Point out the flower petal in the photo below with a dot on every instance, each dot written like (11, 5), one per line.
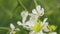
(34, 11)
(24, 15)
(11, 32)
(12, 26)
(42, 12)
(45, 19)
(53, 33)
(19, 23)
(38, 7)
(33, 20)
(41, 32)
(32, 32)
(46, 29)
(17, 29)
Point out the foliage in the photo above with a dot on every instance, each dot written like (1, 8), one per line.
(10, 12)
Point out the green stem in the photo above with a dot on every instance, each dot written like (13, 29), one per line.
(35, 2)
(8, 32)
(22, 4)
(5, 28)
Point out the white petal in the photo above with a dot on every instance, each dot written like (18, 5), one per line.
(19, 23)
(23, 19)
(33, 20)
(41, 32)
(30, 24)
(11, 32)
(41, 24)
(12, 26)
(17, 29)
(38, 7)
(42, 12)
(45, 19)
(24, 15)
(27, 23)
(46, 24)
(32, 32)
(30, 14)
(34, 11)
(46, 29)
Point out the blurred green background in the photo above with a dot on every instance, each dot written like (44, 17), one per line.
(10, 12)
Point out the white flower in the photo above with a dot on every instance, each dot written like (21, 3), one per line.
(13, 29)
(24, 15)
(33, 17)
(43, 26)
(32, 21)
(53, 33)
(38, 11)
